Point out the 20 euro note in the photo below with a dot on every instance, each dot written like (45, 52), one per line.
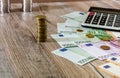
(99, 33)
(75, 54)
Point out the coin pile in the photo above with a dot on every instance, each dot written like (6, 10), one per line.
(41, 28)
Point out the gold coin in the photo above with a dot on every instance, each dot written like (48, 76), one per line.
(79, 30)
(104, 47)
(90, 35)
(105, 39)
(40, 17)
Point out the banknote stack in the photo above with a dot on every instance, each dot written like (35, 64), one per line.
(41, 28)
(82, 45)
(112, 67)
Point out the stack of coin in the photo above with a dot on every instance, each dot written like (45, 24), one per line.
(41, 28)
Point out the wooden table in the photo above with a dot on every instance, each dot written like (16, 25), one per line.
(22, 57)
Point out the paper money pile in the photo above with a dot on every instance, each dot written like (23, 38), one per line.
(112, 67)
(82, 45)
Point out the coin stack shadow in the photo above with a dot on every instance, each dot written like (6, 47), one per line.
(41, 28)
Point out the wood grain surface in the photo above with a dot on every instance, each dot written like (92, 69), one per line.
(36, 1)
(22, 57)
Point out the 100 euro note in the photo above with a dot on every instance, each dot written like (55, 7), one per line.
(96, 50)
(74, 54)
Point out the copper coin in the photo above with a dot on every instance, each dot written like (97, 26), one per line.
(79, 30)
(90, 35)
(104, 47)
(106, 39)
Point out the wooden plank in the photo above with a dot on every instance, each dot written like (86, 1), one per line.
(37, 1)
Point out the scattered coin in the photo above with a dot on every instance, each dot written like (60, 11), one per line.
(106, 39)
(79, 30)
(90, 35)
(104, 47)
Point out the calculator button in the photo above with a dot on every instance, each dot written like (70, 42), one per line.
(111, 19)
(117, 24)
(117, 18)
(109, 23)
(91, 13)
(105, 15)
(112, 15)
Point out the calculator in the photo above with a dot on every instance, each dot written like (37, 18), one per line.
(105, 18)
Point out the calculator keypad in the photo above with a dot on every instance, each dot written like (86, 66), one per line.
(103, 19)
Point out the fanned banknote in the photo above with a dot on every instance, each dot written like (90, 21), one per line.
(77, 15)
(62, 28)
(75, 54)
(111, 69)
(101, 50)
(71, 40)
